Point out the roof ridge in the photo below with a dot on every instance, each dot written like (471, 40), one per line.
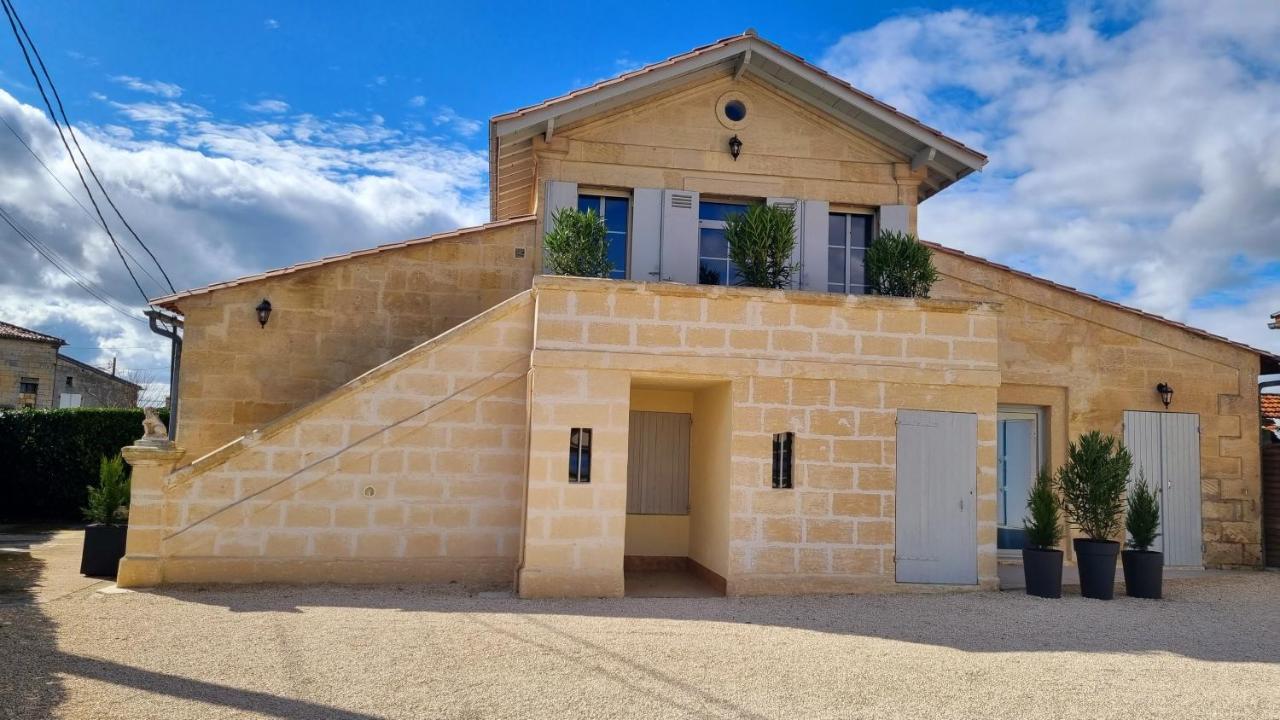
(17, 332)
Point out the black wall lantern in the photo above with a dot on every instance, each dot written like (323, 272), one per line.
(735, 147)
(1166, 394)
(264, 312)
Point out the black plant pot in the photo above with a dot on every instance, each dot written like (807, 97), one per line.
(103, 548)
(1143, 573)
(1043, 572)
(1096, 561)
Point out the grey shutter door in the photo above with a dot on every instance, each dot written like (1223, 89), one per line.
(646, 235)
(893, 217)
(558, 195)
(793, 205)
(1166, 449)
(680, 236)
(813, 245)
(658, 463)
(937, 475)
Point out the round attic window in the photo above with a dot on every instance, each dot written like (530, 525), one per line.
(731, 109)
(735, 110)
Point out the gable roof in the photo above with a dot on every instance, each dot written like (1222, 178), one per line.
(10, 331)
(1270, 361)
(946, 158)
(170, 301)
(98, 371)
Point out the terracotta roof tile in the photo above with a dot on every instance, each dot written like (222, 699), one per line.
(1270, 404)
(15, 332)
(1275, 359)
(168, 301)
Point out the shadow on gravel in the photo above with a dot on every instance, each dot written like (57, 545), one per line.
(1226, 618)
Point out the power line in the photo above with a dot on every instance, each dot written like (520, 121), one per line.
(72, 132)
(10, 14)
(66, 268)
(72, 195)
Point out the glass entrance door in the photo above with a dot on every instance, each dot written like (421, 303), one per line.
(1018, 458)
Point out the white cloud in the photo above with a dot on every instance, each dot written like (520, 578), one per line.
(417, 101)
(152, 87)
(271, 24)
(447, 117)
(269, 106)
(1139, 163)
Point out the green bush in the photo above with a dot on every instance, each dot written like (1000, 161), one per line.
(111, 495)
(1093, 483)
(1044, 524)
(761, 242)
(50, 457)
(577, 244)
(898, 264)
(1143, 517)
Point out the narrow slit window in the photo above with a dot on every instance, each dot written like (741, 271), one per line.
(580, 455)
(782, 445)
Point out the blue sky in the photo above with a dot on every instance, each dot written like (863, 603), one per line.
(1133, 143)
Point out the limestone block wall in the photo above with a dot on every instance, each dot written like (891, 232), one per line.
(331, 322)
(22, 358)
(833, 369)
(1087, 362)
(413, 471)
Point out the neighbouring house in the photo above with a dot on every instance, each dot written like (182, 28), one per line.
(1269, 409)
(33, 374)
(436, 409)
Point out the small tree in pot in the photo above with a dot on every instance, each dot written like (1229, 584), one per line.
(107, 513)
(1092, 483)
(1143, 567)
(898, 264)
(761, 242)
(1042, 559)
(577, 244)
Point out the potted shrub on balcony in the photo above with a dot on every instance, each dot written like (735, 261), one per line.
(1143, 567)
(1042, 559)
(898, 264)
(761, 243)
(1092, 483)
(104, 538)
(577, 244)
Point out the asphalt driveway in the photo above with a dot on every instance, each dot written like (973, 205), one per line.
(71, 650)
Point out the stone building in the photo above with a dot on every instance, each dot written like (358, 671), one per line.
(437, 409)
(33, 374)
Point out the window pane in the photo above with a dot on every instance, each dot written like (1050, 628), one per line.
(618, 254)
(835, 265)
(857, 274)
(589, 202)
(735, 277)
(835, 230)
(713, 272)
(615, 214)
(712, 243)
(860, 230)
(719, 211)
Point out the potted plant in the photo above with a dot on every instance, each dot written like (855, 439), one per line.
(1143, 567)
(1092, 483)
(761, 243)
(577, 244)
(898, 264)
(104, 538)
(1042, 559)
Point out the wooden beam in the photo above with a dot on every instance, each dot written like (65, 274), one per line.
(926, 155)
(742, 64)
(551, 128)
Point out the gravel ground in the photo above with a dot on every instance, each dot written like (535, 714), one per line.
(1211, 650)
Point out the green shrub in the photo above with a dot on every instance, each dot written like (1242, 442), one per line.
(898, 264)
(111, 495)
(761, 242)
(1044, 523)
(50, 457)
(577, 244)
(1143, 517)
(1093, 482)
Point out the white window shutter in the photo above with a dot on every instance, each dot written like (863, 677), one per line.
(679, 256)
(793, 205)
(894, 217)
(813, 245)
(646, 235)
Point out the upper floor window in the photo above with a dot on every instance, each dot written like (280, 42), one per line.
(714, 267)
(848, 236)
(28, 386)
(615, 211)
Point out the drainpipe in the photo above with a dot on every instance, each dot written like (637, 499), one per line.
(168, 326)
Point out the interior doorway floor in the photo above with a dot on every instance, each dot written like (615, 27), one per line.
(667, 584)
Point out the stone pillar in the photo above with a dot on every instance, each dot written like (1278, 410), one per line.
(141, 564)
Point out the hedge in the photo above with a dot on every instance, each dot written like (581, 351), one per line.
(49, 457)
